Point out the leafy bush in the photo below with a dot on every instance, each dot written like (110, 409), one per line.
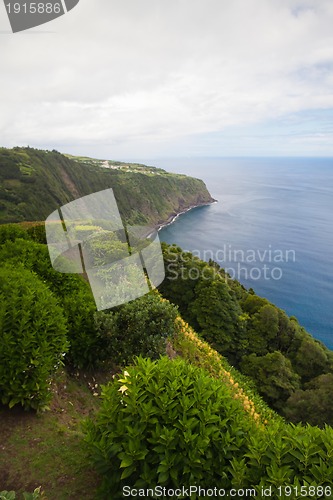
(140, 327)
(74, 296)
(35, 256)
(32, 338)
(165, 423)
(37, 233)
(87, 346)
(168, 423)
(289, 457)
(10, 232)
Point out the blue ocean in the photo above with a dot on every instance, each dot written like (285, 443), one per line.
(272, 229)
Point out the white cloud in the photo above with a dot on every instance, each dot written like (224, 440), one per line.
(137, 76)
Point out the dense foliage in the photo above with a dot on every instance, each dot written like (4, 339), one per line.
(32, 338)
(74, 296)
(140, 327)
(34, 183)
(204, 299)
(165, 423)
(96, 338)
(285, 362)
(11, 232)
(195, 420)
(289, 368)
(168, 423)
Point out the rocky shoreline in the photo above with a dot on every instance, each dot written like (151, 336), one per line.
(173, 217)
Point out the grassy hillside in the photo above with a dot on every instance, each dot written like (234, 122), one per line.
(182, 419)
(291, 370)
(34, 183)
(194, 373)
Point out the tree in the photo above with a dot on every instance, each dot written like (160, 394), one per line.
(217, 314)
(252, 303)
(263, 329)
(182, 273)
(273, 375)
(314, 405)
(311, 359)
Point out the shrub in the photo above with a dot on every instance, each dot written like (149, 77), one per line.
(290, 457)
(37, 233)
(32, 338)
(311, 358)
(35, 256)
(87, 346)
(165, 423)
(139, 327)
(10, 232)
(74, 295)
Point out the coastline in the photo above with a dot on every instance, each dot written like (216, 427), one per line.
(173, 217)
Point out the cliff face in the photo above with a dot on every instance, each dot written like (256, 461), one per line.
(34, 183)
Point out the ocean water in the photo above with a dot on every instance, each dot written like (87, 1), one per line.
(272, 228)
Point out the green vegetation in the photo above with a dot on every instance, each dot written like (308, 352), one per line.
(166, 423)
(46, 449)
(205, 415)
(73, 293)
(139, 327)
(34, 183)
(117, 165)
(32, 338)
(11, 495)
(288, 366)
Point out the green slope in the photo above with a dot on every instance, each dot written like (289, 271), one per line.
(34, 183)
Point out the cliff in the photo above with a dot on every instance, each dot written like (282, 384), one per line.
(33, 183)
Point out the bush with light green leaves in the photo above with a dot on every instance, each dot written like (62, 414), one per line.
(168, 423)
(74, 296)
(165, 423)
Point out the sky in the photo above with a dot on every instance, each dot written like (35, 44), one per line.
(127, 79)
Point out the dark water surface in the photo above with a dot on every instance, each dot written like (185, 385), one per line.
(272, 228)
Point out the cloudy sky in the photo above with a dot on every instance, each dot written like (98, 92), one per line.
(128, 79)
